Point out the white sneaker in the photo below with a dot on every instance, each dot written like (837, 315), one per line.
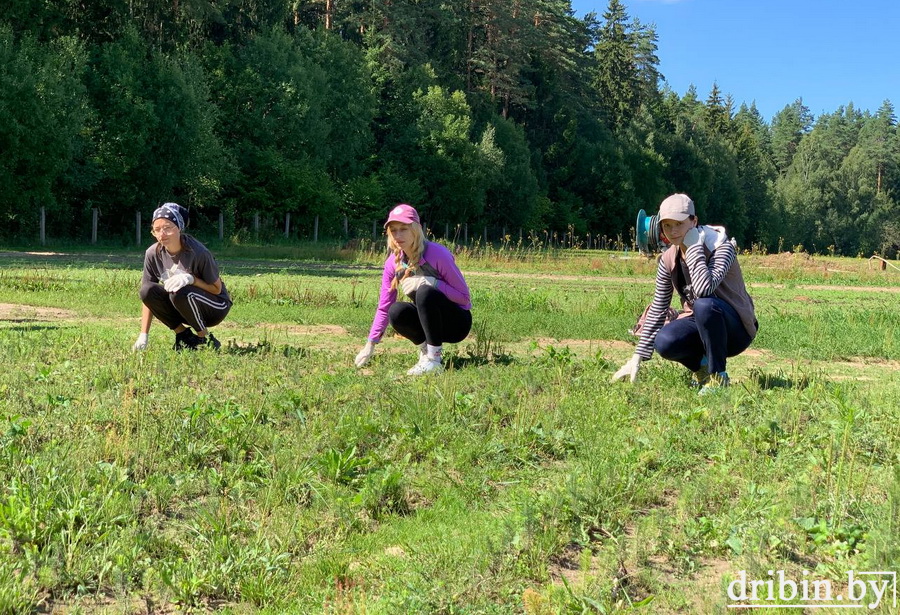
(426, 366)
(423, 358)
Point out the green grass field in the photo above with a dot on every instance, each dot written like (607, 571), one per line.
(274, 477)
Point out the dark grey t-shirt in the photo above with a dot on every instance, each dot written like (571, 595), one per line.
(193, 258)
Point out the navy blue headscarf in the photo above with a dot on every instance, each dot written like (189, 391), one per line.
(173, 212)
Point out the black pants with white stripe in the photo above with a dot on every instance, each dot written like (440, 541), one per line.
(189, 306)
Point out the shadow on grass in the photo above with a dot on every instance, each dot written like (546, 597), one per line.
(778, 380)
(264, 348)
(460, 362)
(229, 266)
(21, 327)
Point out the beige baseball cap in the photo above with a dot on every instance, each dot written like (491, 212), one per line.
(678, 207)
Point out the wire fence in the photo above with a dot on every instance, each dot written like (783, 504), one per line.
(269, 227)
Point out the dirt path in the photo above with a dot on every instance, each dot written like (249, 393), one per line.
(300, 267)
(12, 312)
(335, 338)
(650, 280)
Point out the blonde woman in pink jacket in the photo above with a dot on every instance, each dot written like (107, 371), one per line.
(439, 307)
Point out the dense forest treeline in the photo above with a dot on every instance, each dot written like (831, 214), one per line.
(506, 113)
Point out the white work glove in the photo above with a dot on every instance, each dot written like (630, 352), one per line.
(411, 284)
(141, 343)
(178, 281)
(629, 370)
(365, 354)
(691, 238)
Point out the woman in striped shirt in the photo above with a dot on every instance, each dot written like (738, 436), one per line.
(718, 319)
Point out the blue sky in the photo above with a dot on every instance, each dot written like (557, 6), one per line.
(830, 53)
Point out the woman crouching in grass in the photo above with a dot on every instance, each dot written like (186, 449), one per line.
(426, 272)
(181, 284)
(718, 320)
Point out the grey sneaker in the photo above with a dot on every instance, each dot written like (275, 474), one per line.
(717, 382)
(700, 377)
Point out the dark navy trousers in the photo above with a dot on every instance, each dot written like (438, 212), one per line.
(714, 331)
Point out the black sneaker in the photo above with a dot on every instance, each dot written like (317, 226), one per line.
(187, 340)
(210, 341)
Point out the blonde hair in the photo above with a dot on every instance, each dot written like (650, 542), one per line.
(417, 247)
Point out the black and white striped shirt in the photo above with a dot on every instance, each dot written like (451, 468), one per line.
(703, 278)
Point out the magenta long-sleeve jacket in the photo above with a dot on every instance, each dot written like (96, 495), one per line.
(436, 259)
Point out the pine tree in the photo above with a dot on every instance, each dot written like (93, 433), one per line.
(788, 127)
(616, 79)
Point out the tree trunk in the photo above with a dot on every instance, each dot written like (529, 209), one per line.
(470, 44)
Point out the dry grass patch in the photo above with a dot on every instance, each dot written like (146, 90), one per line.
(14, 312)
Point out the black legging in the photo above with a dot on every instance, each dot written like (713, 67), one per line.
(189, 305)
(430, 317)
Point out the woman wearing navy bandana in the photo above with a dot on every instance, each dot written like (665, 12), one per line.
(181, 284)
(426, 272)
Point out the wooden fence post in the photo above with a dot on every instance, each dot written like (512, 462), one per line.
(316, 230)
(446, 230)
(374, 232)
(287, 225)
(94, 215)
(346, 233)
(221, 226)
(466, 233)
(43, 226)
(137, 227)
(256, 223)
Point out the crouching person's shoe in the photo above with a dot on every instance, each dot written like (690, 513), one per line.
(210, 341)
(186, 340)
(717, 382)
(426, 366)
(700, 377)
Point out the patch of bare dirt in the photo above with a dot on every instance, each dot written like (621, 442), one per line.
(756, 352)
(556, 276)
(857, 362)
(567, 565)
(14, 312)
(703, 588)
(576, 346)
(109, 604)
(308, 329)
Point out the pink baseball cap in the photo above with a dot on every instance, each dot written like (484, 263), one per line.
(403, 213)
(677, 207)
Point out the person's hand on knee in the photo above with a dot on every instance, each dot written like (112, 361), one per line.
(178, 281)
(411, 284)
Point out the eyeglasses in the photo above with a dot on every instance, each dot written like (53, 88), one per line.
(163, 230)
